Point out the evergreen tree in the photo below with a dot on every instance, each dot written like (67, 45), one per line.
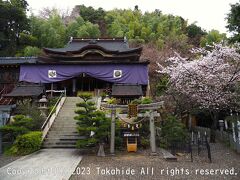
(92, 123)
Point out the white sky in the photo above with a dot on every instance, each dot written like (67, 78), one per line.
(209, 14)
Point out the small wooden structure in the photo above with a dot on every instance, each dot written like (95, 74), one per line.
(132, 144)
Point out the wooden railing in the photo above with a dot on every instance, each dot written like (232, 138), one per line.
(2, 91)
(52, 115)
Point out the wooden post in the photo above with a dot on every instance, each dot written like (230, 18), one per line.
(152, 135)
(189, 121)
(1, 124)
(74, 86)
(51, 89)
(112, 145)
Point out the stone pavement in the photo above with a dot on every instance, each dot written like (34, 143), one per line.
(52, 164)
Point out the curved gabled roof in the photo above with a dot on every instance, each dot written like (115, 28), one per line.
(114, 45)
(114, 48)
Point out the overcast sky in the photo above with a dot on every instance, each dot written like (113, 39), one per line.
(209, 14)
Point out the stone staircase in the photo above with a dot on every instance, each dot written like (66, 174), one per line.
(63, 133)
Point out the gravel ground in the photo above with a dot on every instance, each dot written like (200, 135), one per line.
(94, 168)
(4, 160)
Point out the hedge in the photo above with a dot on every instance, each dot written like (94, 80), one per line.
(27, 143)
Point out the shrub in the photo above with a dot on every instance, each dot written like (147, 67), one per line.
(14, 131)
(145, 143)
(146, 100)
(32, 112)
(173, 131)
(135, 101)
(22, 121)
(27, 143)
(19, 126)
(112, 101)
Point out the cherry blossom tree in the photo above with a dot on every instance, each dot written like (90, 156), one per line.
(209, 80)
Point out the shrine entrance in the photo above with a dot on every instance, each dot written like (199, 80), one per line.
(133, 112)
(83, 82)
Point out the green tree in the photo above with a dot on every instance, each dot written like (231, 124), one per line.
(49, 32)
(92, 123)
(213, 36)
(90, 14)
(13, 21)
(80, 28)
(173, 131)
(233, 22)
(88, 30)
(195, 33)
(20, 125)
(30, 51)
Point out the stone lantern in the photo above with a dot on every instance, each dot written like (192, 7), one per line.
(43, 106)
(221, 125)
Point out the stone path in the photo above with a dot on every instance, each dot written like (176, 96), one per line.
(141, 166)
(54, 164)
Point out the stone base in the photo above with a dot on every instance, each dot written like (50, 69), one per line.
(153, 154)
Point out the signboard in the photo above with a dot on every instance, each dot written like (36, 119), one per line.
(129, 134)
(117, 73)
(52, 74)
(132, 110)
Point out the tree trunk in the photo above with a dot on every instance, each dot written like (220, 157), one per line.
(101, 150)
(214, 116)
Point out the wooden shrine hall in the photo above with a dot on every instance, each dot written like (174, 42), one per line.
(94, 65)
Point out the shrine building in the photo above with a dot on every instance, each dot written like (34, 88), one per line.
(94, 65)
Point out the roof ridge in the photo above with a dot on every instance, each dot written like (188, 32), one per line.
(20, 58)
(99, 39)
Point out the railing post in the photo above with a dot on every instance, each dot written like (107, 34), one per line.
(112, 145)
(1, 124)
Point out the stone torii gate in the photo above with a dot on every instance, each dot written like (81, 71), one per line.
(152, 114)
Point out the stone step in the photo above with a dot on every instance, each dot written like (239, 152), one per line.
(57, 132)
(57, 138)
(65, 124)
(68, 126)
(64, 128)
(56, 141)
(65, 118)
(63, 133)
(59, 146)
(73, 136)
(60, 143)
(167, 155)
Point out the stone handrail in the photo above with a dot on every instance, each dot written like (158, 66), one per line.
(52, 115)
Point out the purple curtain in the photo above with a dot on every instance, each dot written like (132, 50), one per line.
(116, 73)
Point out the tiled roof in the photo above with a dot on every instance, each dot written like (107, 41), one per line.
(126, 90)
(110, 44)
(26, 91)
(17, 60)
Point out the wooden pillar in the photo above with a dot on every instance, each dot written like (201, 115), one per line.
(153, 134)
(74, 86)
(1, 124)
(189, 121)
(112, 143)
(89, 81)
(51, 89)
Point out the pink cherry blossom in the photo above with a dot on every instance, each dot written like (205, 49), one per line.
(209, 79)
